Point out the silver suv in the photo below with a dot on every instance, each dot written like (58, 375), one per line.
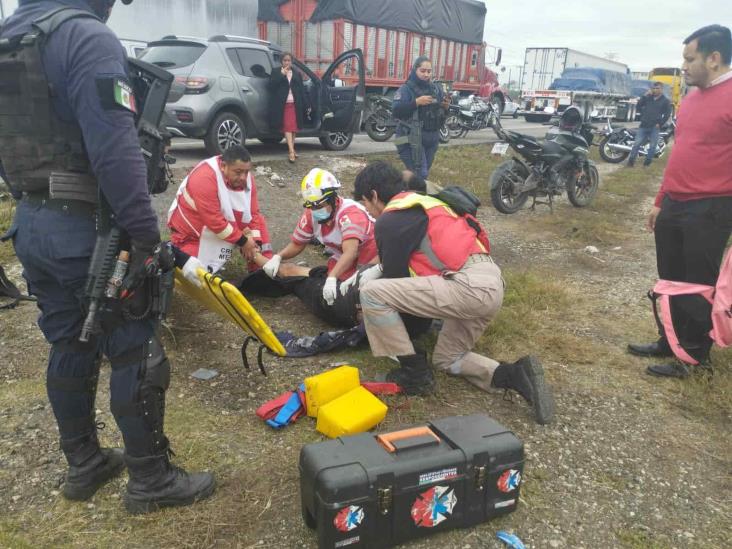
(225, 100)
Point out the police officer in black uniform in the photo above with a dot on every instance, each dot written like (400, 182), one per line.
(67, 115)
(419, 106)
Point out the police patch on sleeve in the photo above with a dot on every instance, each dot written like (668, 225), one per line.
(116, 93)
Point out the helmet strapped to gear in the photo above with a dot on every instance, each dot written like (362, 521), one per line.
(318, 188)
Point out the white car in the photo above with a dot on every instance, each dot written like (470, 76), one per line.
(511, 108)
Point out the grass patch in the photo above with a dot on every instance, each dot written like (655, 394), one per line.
(608, 219)
(710, 397)
(7, 211)
(639, 539)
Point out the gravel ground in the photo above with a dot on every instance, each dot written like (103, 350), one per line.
(629, 462)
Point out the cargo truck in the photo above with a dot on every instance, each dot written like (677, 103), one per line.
(594, 84)
(392, 34)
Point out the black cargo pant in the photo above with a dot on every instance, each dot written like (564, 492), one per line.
(691, 238)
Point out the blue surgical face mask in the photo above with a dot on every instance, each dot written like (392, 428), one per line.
(321, 215)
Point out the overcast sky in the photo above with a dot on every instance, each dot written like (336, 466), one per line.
(644, 34)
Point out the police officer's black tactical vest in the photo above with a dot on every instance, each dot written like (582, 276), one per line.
(429, 115)
(36, 146)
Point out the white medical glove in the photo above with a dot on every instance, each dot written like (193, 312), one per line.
(272, 266)
(330, 290)
(361, 277)
(190, 271)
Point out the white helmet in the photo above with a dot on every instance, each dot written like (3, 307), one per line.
(317, 187)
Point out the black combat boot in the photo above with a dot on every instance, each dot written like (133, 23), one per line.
(89, 466)
(156, 483)
(414, 375)
(657, 348)
(526, 377)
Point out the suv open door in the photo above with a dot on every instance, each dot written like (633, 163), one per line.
(342, 96)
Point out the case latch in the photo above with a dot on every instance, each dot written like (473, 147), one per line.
(383, 500)
(479, 477)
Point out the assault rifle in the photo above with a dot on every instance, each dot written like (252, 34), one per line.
(151, 86)
(414, 139)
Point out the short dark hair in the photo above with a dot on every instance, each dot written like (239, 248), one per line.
(235, 153)
(381, 177)
(658, 84)
(415, 183)
(713, 38)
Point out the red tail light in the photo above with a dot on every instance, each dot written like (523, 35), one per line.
(194, 84)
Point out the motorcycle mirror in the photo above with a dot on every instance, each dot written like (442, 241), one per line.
(499, 54)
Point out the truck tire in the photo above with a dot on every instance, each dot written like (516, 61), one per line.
(336, 141)
(538, 117)
(227, 129)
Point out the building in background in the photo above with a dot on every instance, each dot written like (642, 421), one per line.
(147, 20)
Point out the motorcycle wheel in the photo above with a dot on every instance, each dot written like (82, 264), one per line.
(503, 183)
(453, 126)
(609, 155)
(464, 132)
(582, 190)
(444, 134)
(377, 129)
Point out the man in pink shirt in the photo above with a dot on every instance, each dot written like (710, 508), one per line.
(692, 215)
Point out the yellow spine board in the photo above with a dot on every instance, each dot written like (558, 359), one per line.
(322, 388)
(355, 412)
(228, 302)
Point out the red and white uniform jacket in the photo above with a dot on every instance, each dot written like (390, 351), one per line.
(351, 220)
(207, 216)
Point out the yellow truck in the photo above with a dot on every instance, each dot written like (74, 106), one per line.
(673, 77)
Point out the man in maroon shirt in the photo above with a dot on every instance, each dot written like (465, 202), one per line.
(692, 215)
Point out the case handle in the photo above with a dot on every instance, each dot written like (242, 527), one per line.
(423, 435)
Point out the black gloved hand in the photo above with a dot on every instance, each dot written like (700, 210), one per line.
(147, 259)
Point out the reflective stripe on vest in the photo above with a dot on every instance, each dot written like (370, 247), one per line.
(449, 240)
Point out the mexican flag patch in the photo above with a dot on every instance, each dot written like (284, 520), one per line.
(124, 96)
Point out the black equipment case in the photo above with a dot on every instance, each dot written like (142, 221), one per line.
(381, 490)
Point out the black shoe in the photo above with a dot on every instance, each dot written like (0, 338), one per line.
(90, 466)
(83, 481)
(630, 164)
(414, 375)
(679, 370)
(526, 377)
(657, 348)
(156, 483)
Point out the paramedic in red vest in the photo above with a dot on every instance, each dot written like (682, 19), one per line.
(216, 211)
(434, 264)
(692, 215)
(342, 225)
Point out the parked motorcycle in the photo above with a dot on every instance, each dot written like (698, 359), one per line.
(545, 168)
(380, 124)
(618, 141)
(468, 114)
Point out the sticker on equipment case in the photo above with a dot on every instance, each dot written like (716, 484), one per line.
(349, 541)
(438, 476)
(506, 503)
(509, 480)
(349, 518)
(433, 506)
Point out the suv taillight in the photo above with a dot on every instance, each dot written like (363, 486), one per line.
(194, 84)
